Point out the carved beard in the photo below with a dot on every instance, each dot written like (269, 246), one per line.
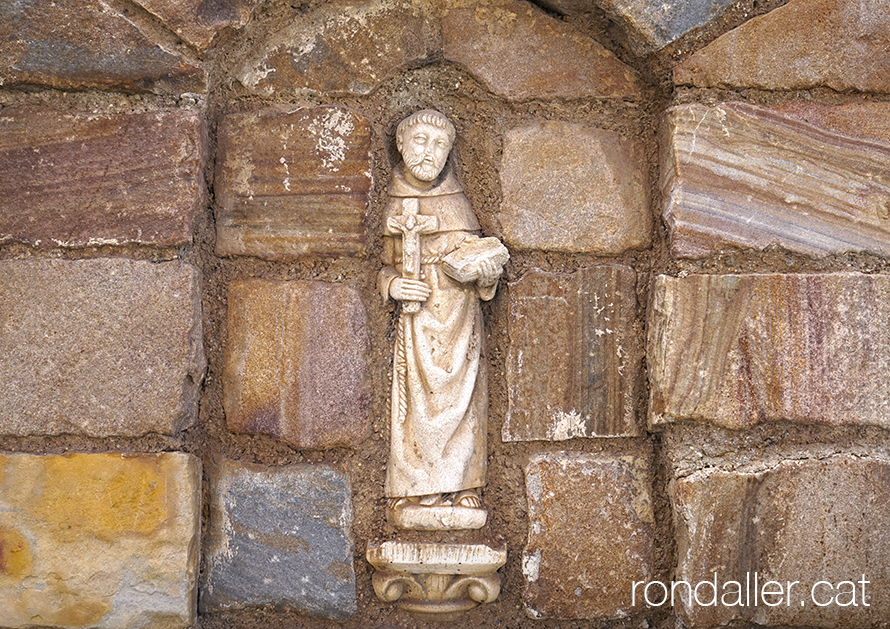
(422, 170)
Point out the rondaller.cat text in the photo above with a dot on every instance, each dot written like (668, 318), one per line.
(751, 592)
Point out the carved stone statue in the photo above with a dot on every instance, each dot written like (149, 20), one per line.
(438, 267)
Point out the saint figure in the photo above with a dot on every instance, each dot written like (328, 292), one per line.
(438, 268)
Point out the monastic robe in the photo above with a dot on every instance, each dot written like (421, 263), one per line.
(439, 389)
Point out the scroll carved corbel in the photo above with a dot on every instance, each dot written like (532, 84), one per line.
(436, 581)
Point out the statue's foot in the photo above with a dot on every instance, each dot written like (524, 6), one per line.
(394, 503)
(468, 498)
(438, 512)
(431, 500)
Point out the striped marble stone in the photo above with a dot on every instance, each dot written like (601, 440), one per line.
(292, 183)
(295, 363)
(812, 178)
(83, 180)
(739, 350)
(815, 526)
(574, 358)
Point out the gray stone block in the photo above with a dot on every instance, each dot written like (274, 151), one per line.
(280, 537)
(653, 24)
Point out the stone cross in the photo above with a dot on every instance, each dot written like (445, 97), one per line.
(412, 225)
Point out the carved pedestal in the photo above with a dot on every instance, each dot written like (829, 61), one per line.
(436, 581)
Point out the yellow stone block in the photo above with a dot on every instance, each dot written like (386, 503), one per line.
(99, 540)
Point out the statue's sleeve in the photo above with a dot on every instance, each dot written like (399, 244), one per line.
(388, 273)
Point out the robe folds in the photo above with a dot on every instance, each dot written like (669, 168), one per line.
(439, 404)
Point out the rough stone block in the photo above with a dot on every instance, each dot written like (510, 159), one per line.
(295, 362)
(583, 567)
(841, 44)
(566, 7)
(105, 347)
(568, 187)
(797, 523)
(342, 47)
(574, 357)
(69, 44)
(199, 21)
(739, 350)
(293, 183)
(75, 180)
(652, 25)
(99, 540)
(280, 537)
(521, 53)
(809, 177)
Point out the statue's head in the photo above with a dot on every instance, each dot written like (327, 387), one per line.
(424, 139)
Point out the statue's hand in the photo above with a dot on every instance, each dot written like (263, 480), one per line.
(403, 289)
(489, 272)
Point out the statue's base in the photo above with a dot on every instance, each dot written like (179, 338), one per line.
(415, 517)
(436, 581)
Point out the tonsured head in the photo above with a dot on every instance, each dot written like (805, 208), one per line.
(424, 139)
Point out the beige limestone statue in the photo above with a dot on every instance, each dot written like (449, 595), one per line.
(438, 267)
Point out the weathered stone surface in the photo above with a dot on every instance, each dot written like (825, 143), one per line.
(295, 362)
(784, 50)
(99, 540)
(280, 537)
(738, 350)
(69, 44)
(199, 21)
(653, 24)
(74, 180)
(568, 187)
(99, 347)
(573, 362)
(796, 522)
(809, 177)
(342, 47)
(293, 183)
(583, 567)
(521, 53)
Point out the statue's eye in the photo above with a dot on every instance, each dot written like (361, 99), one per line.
(420, 139)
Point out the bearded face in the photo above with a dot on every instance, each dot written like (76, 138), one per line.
(425, 150)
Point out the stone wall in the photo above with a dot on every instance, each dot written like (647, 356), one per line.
(687, 354)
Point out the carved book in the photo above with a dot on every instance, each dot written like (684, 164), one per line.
(463, 263)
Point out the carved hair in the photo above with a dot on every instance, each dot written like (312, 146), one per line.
(425, 116)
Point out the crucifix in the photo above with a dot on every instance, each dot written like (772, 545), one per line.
(411, 225)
